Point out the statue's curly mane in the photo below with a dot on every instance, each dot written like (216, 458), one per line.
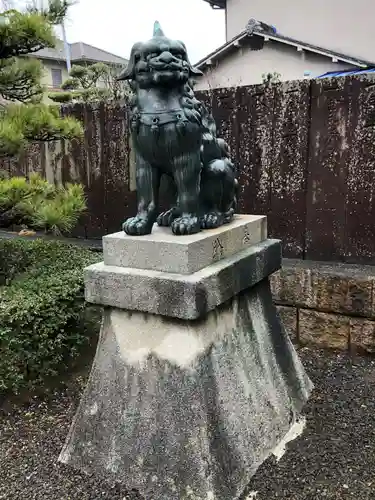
(195, 111)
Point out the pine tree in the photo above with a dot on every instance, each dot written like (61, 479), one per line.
(85, 83)
(23, 117)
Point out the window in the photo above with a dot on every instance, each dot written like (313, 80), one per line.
(56, 78)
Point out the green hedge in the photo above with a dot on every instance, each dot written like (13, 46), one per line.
(43, 317)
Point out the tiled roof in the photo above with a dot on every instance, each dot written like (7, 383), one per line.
(217, 4)
(80, 51)
(332, 74)
(264, 36)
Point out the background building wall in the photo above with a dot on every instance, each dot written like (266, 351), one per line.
(342, 25)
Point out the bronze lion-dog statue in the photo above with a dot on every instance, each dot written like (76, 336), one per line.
(173, 134)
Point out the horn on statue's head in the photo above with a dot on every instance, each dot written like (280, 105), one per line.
(158, 30)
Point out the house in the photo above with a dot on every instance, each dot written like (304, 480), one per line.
(55, 63)
(295, 39)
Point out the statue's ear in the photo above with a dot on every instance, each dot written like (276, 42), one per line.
(193, 71)
(128, 73)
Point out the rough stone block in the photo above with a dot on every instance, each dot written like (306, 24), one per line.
(340, 288)
(163, 251)
(288, 316)
(362, 336)
(341, 292)
(286, 285)
(182, 296)
(324, 329)
(188, 409)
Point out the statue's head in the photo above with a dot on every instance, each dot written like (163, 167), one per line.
(159, 62)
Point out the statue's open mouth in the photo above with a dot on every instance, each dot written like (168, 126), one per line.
(161, 66)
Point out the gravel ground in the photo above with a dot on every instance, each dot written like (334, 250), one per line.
(334, 458)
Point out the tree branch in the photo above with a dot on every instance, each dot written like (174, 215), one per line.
(20, 79)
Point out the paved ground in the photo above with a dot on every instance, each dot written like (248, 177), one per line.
(334, 459)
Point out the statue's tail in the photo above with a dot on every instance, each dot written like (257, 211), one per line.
(229, 213)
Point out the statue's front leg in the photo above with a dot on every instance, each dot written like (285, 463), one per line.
(187, 169)
(148, 182)
(166, 218)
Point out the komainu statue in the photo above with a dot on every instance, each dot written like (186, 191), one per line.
(173, 134)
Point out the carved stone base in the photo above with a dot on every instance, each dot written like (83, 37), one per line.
(195, 381)
(180, 409)
(163, 251)
(179, 295)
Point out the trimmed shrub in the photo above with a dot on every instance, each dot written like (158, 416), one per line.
(44, 322)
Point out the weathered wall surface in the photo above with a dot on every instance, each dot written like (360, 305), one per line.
(305, 153)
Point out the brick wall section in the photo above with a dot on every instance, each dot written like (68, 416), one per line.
(327, 305)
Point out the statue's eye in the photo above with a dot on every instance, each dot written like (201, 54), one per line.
(177, 54)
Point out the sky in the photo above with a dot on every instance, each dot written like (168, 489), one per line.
(114, 25)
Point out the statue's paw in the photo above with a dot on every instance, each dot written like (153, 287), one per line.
(212, 220)
(187, 224)
(165, 219)
(228, 216)
(137, 226)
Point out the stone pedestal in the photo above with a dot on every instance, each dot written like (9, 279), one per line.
(195, 381)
